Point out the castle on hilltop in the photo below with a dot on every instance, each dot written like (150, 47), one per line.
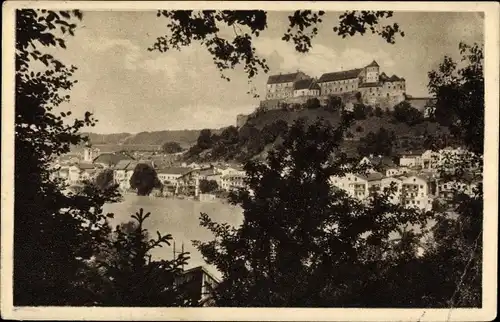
(375, 88)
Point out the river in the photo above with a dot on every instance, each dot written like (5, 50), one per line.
(178, 217)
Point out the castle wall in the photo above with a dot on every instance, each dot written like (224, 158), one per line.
(270, 104)
(338, 87)
(241, 119)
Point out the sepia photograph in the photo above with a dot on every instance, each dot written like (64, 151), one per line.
(249, 160)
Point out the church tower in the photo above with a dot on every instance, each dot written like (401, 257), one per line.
(372, 72)
(88, 153)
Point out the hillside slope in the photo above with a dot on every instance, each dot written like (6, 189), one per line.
(256, 138)
(116, 141)
(370, 124)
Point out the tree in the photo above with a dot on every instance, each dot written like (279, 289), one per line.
(64, 229)
(296, 228)
(272, 131)
(171, 147)
(312, 103)
(208, 186)
(205, 139)
(378, 111)
(246, 132)
(126, 274)
(229, 135)
(360, 111)
(380, 143)
(105, 180)
(188, 26)
(405, 113)
(456, 252)
(459, 94)
(334, 103)
(144, 179)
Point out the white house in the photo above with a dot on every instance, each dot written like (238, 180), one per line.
(411, 159)
(416, 192)
(393, 171)
(430, 159)
(306, 87)
(171, 174)
(232, 181)
(122, 173)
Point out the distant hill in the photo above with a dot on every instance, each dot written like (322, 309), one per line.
(143, 140)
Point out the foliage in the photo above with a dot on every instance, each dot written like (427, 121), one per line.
(360, 111)
(105, 180)
(380, 143)
(171, 147)
(312, 103)
(144, 179)
(274, 130)
(459, 95)
(378, 111)
(208, 186)
(205, 139)
(296, 228)
(334, 104)
(64, 229)
(126, 275)
(229, 135)
(405, 113)
(352, 22)
(207, 27)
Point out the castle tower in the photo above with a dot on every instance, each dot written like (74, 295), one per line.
(88, 153)
(372, 72)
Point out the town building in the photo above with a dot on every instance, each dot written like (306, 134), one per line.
(198, 284)
(306, 87)
(416, 191)
(111, 159)
(282, 86)
(411, 159)
(374, 86)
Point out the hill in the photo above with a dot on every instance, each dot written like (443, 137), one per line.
(370, 124)
(143, 140)
(262, 132)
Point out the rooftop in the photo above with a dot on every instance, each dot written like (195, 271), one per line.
(307, 83)
(173, 170)
(282, 78)
(336, 76)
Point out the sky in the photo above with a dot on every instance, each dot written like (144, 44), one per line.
(130, 89)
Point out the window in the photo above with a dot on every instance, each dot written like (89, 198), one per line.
(421, 187)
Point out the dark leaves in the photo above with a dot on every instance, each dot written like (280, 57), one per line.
(186, 26)
(353, 22)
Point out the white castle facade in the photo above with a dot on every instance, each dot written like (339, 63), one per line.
(374, 87)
